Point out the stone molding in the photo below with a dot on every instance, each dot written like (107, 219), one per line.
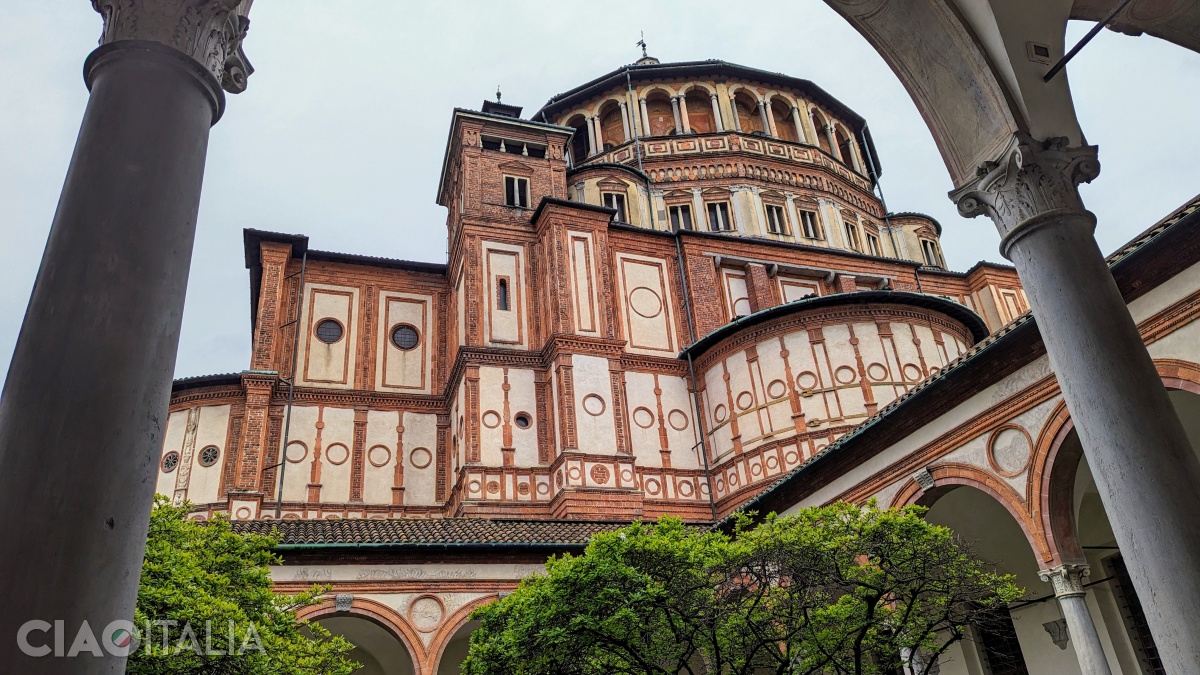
(209, 31)
(1031, 184)
(1067, 579)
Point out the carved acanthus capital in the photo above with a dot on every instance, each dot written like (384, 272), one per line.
(209, 31)
(1032, 182)
(1067, 580)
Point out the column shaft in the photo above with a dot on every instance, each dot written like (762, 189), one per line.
(625, 122)
(683, 115)
(1083, 635)
(1140, 457)
(675, 111)
(716, 106)
(593, 143)
(85, 403)
(645, 117)
(1145, 469)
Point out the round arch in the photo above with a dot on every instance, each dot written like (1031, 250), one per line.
(378, 614)
(948, 476)
(698, 102)
(612, 126)
(781, 113)
(745, 106)
(580, 147)
(660, 116)
(451, 627)
(1055, 464)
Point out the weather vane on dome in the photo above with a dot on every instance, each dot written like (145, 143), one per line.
(642, 43)
(497, 93)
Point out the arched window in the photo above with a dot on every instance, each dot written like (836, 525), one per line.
(579, 142)
(700, 114)
(819, 123)
(611, 126)
(502, 295)
(781, 114)
(747, 112)
(845, 147)
(662, 117)
(933, 256)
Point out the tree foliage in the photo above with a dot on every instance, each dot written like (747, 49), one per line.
(207, 602)
(832, 590)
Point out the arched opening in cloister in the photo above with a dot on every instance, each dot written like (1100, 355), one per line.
(376, 647)
(455, 650)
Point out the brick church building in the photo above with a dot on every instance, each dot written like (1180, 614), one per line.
(671, 290)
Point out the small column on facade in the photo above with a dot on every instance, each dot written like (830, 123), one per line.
(599, 134)
(810, 129)
(716, 106)
(832, 138)
(84, 407)
(764, 111)
(765, 117)
(645, 116)
(625, 121)
(592, 140)
(1140, 456)
(675, 111)
(737, 119)
(800, 133)
(683, 115)
(1072, 601)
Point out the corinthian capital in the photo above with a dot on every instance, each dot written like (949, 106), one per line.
(1066, 579)
(209, 31)
(1032, 182)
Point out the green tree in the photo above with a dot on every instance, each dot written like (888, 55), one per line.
(833, 590)
(204, 585)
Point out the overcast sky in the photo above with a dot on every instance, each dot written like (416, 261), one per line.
(341, 133)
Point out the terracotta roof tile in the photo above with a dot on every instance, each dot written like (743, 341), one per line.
(429, 532)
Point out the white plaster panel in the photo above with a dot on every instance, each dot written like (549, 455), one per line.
(796, 288)
(596, 433)
(205, 482)
(381, 442)
(172, 442)
(404, 369)
(504, 328)
(329, 365)
(737, 297)
(647, 305)
(420, 483)
(335, 478)
(583, 283)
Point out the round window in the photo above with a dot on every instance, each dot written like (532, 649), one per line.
(170, 461)
(523, 420)
(329, 331)
(405, 337)
(209, 455)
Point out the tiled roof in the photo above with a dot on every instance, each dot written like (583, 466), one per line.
(429, 532)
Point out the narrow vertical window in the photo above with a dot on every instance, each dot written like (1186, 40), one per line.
(852, 237)
(873, 245)
(933, 257)
(681, 217)
(808, 223)
(516, 191)
(616, 200)
(718, 217)
(502, 295)
(776, 220)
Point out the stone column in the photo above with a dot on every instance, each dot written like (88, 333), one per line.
(625, 121)
(645, 117)
(675, 111)
(592, 140)
(716, 106)
(799, 125)
(599, 134)
(683, 115)
(1072, 600)
(737, 119)
(1144, 467)
(833, 146)
(85, 403)
(768, 123)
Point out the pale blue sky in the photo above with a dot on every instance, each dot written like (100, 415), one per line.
(341, 133)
